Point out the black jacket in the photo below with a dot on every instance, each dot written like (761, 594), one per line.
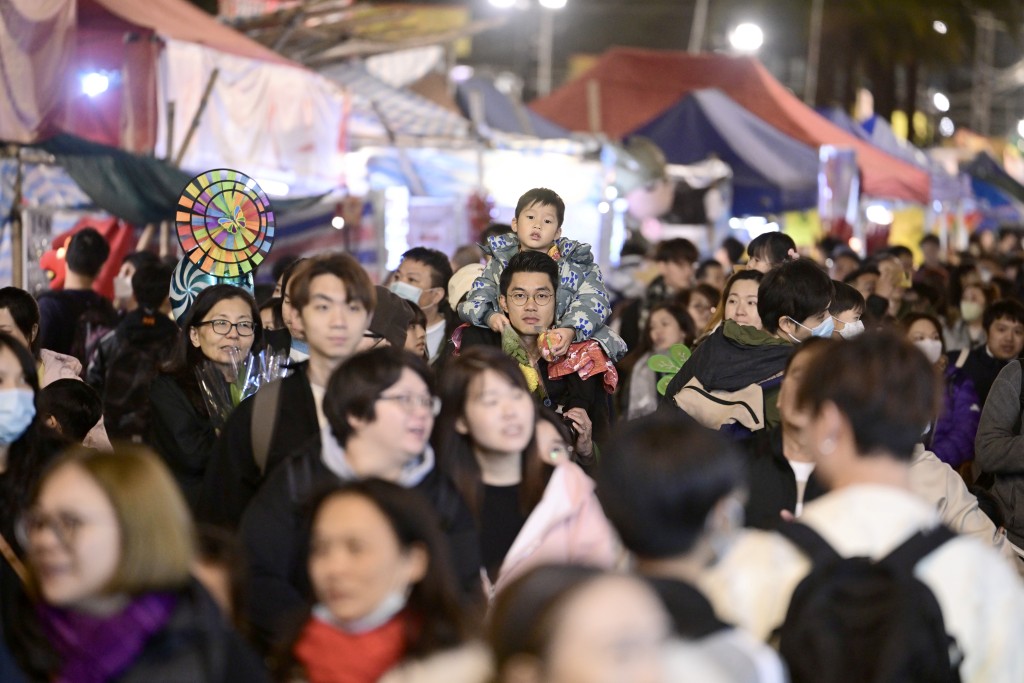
(692, 615)
(140, 327)
(182, 436)
(981, 368)
(275, 534)
(772, 481)
(196, 645)
(233, 478)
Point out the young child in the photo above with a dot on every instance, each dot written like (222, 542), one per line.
(582, 299)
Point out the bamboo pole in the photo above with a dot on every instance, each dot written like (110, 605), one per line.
(195, 118)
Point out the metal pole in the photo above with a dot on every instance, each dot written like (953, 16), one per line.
(813, 54)
(700, 22)
(545, 46)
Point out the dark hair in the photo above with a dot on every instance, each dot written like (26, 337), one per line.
(931, 238)
(140, 258)
(87, 252)
(706, 265)
(899, 251)
(273, 304)
(544, 197)
(440, 275)
(660, 477)
(151, 284)
(676, 250)
(524, 617)
(455, 451)
(30, 454)
(863, 270)
(73, 404)
(287, 271)
(439, 622)
(25, 312)
(1004, 308)
(283, 265)
(911, 318)
(773, 247)
(883, 385)
(678, 311)
(718, 317)
(796, 289)
(419, 318)
(733, 248)
(528, 262)
(358, 382)
(494, 230)
(358, 286)
(185, 356)
(218, 546)
(845, 298)
(635, 245)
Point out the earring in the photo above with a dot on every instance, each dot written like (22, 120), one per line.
(827, 446)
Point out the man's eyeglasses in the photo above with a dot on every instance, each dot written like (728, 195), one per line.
(520, 298)
(409, 402)
(223, 327)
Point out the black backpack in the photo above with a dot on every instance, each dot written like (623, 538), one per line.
(859, 620)
(130, 373)
(93, 324)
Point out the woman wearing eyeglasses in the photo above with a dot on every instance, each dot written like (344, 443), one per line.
(110, 549)
(223, 323)
(380, 408)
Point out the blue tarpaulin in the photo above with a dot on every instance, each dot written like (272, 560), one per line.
(772, 172)
(500, 112)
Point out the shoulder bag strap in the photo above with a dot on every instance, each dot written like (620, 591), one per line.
(264, 416)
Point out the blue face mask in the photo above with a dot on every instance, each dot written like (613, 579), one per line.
(406, 291)
(823, 329)
(17, 408)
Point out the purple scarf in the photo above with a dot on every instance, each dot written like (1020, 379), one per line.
(96, 649)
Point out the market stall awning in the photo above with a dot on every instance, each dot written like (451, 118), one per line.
(380, 110)
(628, 87)
(771, 171)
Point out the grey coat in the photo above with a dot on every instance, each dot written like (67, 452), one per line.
(999, 448)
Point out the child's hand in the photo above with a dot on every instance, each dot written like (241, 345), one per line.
(555, 343)
(497, 322)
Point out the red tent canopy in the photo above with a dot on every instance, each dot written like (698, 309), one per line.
(633, 86)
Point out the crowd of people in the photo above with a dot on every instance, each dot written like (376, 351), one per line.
(759, 467)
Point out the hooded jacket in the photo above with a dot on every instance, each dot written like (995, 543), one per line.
(581, 300)
(735, 357)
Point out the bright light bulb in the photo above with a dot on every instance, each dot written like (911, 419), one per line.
(747, 37)
(95, 83)
(1020, 128)
(941, 101)
(503, 4)
(337, 222)
(947, 128)
(940, 27)
(553, 4)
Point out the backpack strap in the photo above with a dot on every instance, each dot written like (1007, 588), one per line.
(810, 542)
(906, 556)
(962, 358)
(264, 417)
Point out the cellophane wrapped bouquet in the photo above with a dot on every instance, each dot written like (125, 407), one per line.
(245, 376)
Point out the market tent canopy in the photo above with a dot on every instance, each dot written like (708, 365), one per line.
(987, 170)
(380, 110)
(628, 87)
(771, 172)
(500, 112)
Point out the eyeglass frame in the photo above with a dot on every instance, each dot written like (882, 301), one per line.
(65, 526)
(407, 402)
(512, 297)
(236, 326)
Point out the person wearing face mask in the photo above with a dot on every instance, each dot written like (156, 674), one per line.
(952, 436)
(390, 613)
(674, 491)
(846, 310)
(422, 278)
(732, 380)
(124, 293)
(1004, 340)
(380, 408)
(968, 329)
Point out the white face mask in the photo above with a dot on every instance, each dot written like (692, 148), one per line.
(406, 291)
(931, 348)
(852, 330)
(971, 311)
(393, 603)
(122, 287)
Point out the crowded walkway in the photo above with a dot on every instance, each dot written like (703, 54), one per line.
(796, 464)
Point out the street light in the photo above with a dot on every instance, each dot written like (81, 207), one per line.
(503, 4)
(940, 101)
(552, 4)
(95, 83)
(939, 27)
(746, 37)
